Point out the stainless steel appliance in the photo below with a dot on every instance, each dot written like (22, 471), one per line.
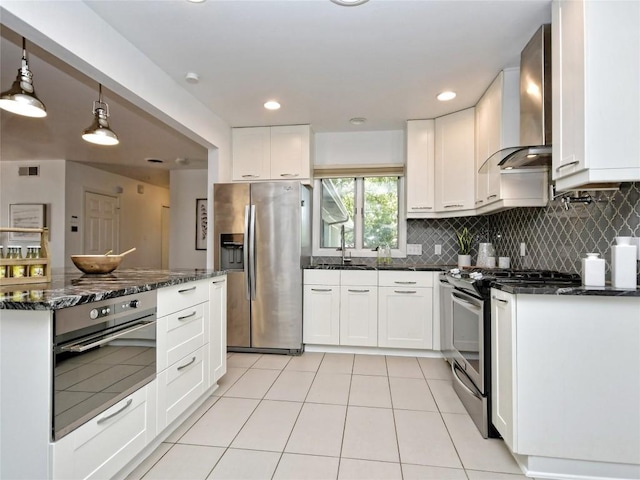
(262, 238)
(470, 327)
(103, 352)
(446, 333)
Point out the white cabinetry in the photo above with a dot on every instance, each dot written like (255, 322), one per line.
(405, 309)
(218, 328)
(272, 153)
(420, 168)
(321, 307)
(359, 308)
(455, 161)
(558, 391)
(104, 445)
(183, 348)
(595, 122)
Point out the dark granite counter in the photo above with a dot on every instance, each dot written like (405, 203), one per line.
(71, 287)
(397, 267)
(533, 289)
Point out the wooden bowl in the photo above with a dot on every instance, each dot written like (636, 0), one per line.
(96, 263)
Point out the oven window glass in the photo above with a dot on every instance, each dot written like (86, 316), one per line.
(467, 320)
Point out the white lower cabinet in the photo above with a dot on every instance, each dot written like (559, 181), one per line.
(368, 308)
(104, 445)
(405, 310)
(217, 328)
(359, 308)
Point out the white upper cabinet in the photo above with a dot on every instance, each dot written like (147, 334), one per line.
(272, 153)
(420, 168)
(455, 162)
(596, 92)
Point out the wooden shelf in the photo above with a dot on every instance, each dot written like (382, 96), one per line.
(44, 259)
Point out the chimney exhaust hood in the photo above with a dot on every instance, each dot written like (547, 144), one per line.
(535, 108)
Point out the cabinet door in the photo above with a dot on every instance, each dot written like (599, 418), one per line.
(359, 315)
(251, 152)
(482, 148)
(502, 364)
(321, 314)
(405, 317)
(290, 152)
(420, 167)
(493, 131)
(455, 161)
(218, 328)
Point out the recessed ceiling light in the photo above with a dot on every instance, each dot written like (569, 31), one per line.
(357, 121)
(272, 105)
(192, 77)
(446, 96)
(349, 3)
(154, 160)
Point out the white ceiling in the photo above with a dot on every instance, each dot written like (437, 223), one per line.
(384, 60)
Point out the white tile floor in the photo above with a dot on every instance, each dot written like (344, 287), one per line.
(330, 416)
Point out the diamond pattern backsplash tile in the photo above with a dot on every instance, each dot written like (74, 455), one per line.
(555, 238)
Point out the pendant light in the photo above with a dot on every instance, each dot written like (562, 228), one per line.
(21, 97)
(99, 131)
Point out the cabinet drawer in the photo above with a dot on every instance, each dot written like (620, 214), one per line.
(322, 277)
(181, 333)
(177, 297)
(180, 385)
(105, 444)
(402, 278)
(359, 277)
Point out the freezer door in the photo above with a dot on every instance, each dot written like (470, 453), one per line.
(230, 201)
(277, 305)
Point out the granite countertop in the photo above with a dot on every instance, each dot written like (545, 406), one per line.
(397, 267)
(69, 287)
(542, 289)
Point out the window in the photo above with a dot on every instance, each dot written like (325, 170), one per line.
(369, 210)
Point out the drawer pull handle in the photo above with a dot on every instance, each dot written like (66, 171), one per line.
(289, 174)
(184, 317)
(359, 291)
(405, 291)
(250, 176)
(575, 162)
(322, 289)
(185, 290)
(454, 206)
(193, 359)
(421, 208)
(479, 201)
(492, 196)
(108, 417)
(499, 299)
(218, 281)
(405, 283)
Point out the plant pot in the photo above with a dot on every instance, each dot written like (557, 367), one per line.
(464, 261)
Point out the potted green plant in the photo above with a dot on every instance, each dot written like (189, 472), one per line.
(464, 247)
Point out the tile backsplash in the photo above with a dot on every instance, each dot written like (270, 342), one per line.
(555, 238)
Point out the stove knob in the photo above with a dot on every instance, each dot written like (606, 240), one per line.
(93, 314)
(134, 303)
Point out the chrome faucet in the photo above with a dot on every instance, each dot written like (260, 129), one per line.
(343, 248)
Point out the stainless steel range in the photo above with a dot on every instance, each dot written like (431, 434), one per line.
(469, 348)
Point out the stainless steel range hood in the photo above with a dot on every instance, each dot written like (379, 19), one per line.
(535, 107)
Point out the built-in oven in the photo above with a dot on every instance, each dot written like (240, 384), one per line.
(103, 351)
(446, 319)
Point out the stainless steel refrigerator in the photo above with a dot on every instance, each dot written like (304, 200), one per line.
(262, 238)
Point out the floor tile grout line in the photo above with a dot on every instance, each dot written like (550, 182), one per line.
(346, 416)
(395, 426)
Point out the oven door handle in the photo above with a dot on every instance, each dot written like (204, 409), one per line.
(455, 366)
(464, 303)
(83, 347)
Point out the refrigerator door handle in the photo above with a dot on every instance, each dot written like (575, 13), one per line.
(245, 249)
(252, 251)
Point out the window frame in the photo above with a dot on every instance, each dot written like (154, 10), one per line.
(358, 251)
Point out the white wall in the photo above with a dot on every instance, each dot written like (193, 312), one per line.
(140, 214)
(186, 187)
(47, 188)
(360, 148)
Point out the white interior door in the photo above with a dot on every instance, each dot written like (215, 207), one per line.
(101, 224)
(165, 221)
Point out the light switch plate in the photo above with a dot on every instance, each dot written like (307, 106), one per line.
(414, 249)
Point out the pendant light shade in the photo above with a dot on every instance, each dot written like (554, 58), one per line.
(99, 132)
(21, 97)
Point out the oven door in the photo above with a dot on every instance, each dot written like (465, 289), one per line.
(94, 372)
(467, 314)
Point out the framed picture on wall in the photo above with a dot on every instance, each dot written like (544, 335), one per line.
(201, 224)
(26, 215)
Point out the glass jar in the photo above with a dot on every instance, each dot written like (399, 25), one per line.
(3, 268)
(36, 270)
(15, 253)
